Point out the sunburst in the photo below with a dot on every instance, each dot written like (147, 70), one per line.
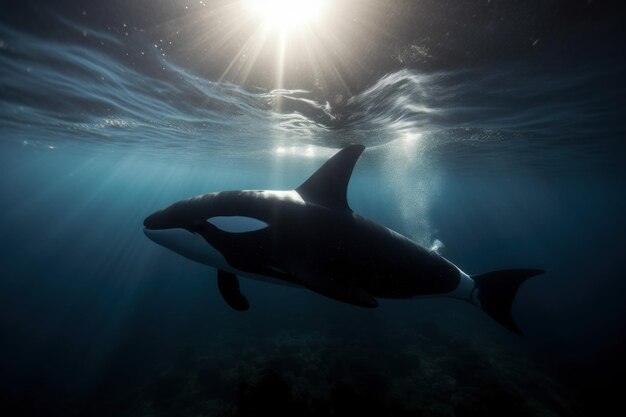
(287, 15)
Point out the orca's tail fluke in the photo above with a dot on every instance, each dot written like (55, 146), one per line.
(496, 292)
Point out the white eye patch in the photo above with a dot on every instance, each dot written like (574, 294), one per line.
(237, 224)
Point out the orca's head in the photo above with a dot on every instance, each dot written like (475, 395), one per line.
(186, 214)
(193, 227)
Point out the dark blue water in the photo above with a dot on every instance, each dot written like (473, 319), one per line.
(515, 165)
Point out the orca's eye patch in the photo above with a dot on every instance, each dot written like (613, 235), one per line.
(237, 224)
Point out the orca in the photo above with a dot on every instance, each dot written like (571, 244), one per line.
(310, 237)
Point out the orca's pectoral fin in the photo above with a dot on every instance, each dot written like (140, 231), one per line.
(228, 285)
(336, 288)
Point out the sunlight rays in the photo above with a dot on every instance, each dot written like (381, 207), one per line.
(277, 43)
(321, 46)
(293, 23)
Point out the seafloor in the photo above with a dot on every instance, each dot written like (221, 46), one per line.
(421, 371)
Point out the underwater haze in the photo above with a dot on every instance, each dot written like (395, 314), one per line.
(509, 160)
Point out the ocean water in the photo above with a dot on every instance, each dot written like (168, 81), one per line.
(520, 164)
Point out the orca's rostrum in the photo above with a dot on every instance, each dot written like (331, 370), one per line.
(310, 237)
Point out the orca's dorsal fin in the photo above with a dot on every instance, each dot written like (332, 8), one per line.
(328, 186)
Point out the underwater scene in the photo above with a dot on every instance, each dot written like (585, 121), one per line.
(312, 208)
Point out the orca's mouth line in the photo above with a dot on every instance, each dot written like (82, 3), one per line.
(148, 230)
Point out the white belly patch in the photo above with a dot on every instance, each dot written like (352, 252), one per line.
(465, 288)
(189, 245)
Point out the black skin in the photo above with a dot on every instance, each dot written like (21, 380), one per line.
(315, 240)
(327, 243)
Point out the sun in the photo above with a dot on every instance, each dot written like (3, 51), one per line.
(296, 32)
(286, 14)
